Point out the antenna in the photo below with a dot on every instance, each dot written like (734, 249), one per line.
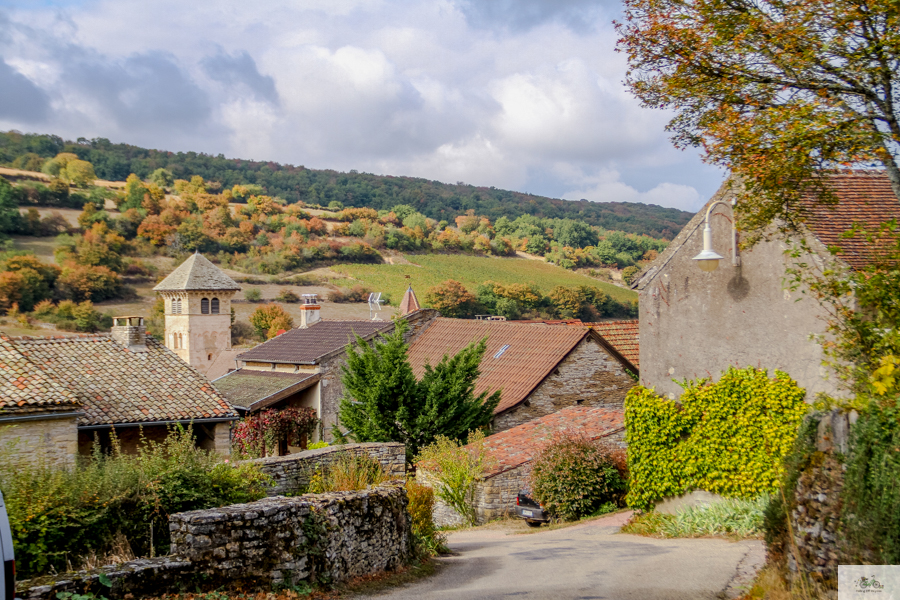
(374, 305)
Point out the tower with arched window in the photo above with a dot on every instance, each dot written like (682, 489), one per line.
(198, 296)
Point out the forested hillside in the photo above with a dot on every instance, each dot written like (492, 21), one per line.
(439, 201)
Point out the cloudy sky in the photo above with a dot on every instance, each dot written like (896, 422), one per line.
(517, 94)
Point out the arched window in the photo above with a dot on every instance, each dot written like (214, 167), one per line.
(204, 306)
(215, 306)
(176, 306)
(180, 341)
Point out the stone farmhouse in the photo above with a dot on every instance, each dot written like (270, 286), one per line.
(539, 368)
(511, 453)
(696, 324)
(59, 394)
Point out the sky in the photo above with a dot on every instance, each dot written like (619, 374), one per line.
(526, 95)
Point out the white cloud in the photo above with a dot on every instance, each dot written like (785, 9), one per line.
(609, 188)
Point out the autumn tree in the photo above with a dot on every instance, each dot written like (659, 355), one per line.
(773, 91)
(451, 299)
(269, 319)
(79, 173)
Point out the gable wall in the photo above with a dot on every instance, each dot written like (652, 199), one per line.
(695, 324)
(588, 374)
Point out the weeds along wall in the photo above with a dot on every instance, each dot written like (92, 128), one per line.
(726, 438)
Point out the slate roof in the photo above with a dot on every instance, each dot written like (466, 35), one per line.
(517, 446)
(409, 303)
(865, 198)
(623, 336)
(197, 273)
(26, 388)
(116, 385)
(518, 356)
(307, 346)
(244, 387)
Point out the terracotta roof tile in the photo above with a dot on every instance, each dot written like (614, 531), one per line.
(518, 357)
(519, 445)
(865, 198)
(25, 388)
(116, 385)
(307, 346)
(409, 303)
(623, 336)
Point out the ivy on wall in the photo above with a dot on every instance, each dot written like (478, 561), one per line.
(727, 437)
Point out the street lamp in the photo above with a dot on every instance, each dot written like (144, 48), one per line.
(708, 260)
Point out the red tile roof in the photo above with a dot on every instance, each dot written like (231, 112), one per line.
(116, 385)
(865, 198)
(26, 388)
(623, 336)
(409, 303)
(518, 357)
(517, 446)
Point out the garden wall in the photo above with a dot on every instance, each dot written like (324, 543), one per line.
(318, 537)
(291, 473)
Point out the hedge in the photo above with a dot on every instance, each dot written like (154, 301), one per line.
(726, 438)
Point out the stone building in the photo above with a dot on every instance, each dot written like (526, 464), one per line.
(538, 368)
(60, 393)
(198, 311)
(302, 367)
(697, 324)
(511, 452)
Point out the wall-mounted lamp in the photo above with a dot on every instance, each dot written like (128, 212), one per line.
(708, 260)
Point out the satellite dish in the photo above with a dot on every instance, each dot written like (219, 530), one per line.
(374, 305)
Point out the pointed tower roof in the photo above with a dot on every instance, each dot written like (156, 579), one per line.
(197, 273)
(409, 303)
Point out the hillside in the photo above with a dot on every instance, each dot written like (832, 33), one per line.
(440, 201)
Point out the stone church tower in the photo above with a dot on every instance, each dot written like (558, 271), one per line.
(198, 311)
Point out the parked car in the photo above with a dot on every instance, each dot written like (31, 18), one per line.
(8, 574)
(529, 509)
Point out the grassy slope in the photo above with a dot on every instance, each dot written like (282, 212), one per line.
(471, 271)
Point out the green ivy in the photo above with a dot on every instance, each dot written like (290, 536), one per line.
(726, 438)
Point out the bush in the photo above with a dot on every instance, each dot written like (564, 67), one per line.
(252, 294)
(60, 516)
(264, 433)
(728, 518)
(288, 297)
(628, 274)
(727, 438)
(349, 472)
(80, 282)
(427, 541)
(573, 476)
(358, 293)
(69, 316)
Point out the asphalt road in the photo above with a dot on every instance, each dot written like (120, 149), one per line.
(586, 561)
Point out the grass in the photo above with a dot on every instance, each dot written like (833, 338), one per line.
(730, 518)
(429, 270)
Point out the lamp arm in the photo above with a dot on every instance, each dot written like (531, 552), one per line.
(735, 259)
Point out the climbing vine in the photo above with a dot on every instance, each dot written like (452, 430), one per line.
(727, 437)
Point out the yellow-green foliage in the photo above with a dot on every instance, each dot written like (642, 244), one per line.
(727, 438)
(430, 270)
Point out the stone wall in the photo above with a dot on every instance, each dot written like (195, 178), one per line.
(588, 376)
(314, 538)
(52, 442)
(291, 473)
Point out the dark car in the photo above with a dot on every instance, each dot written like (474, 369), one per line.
(529, 509)
(8, 574)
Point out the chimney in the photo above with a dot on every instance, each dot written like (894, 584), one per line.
(309, 310)
(130, 332)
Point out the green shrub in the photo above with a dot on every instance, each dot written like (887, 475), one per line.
(628, 274)
(729, 518)
(349, 472)
(728, 438)
(573, 476)
(59, 516)
(69, 316)
(252, 294)
(426, 538)
(287, 296)
(317, 445)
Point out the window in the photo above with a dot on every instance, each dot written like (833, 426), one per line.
(215, 306)
(204, 306)
(176, 306)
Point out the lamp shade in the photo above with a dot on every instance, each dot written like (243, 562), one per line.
(708, 260)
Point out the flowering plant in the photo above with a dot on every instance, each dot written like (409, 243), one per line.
(260, 434)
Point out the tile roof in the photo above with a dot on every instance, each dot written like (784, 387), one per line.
(25, 388)
(623, 336)
(409, 303)
(197, 273)
(519, 355)
(116, 385)
(307, 346)
(865, 198)
(518, 445)
(244, 387)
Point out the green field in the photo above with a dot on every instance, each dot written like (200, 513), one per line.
(471, 271)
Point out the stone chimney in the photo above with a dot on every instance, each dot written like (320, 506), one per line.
(310, 311)
(130, 332)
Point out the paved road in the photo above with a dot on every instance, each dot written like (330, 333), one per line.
(586, 561)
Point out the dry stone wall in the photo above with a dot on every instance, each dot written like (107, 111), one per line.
(291, 473)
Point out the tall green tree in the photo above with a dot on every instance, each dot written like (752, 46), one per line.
(773, 90)
(383, 402)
